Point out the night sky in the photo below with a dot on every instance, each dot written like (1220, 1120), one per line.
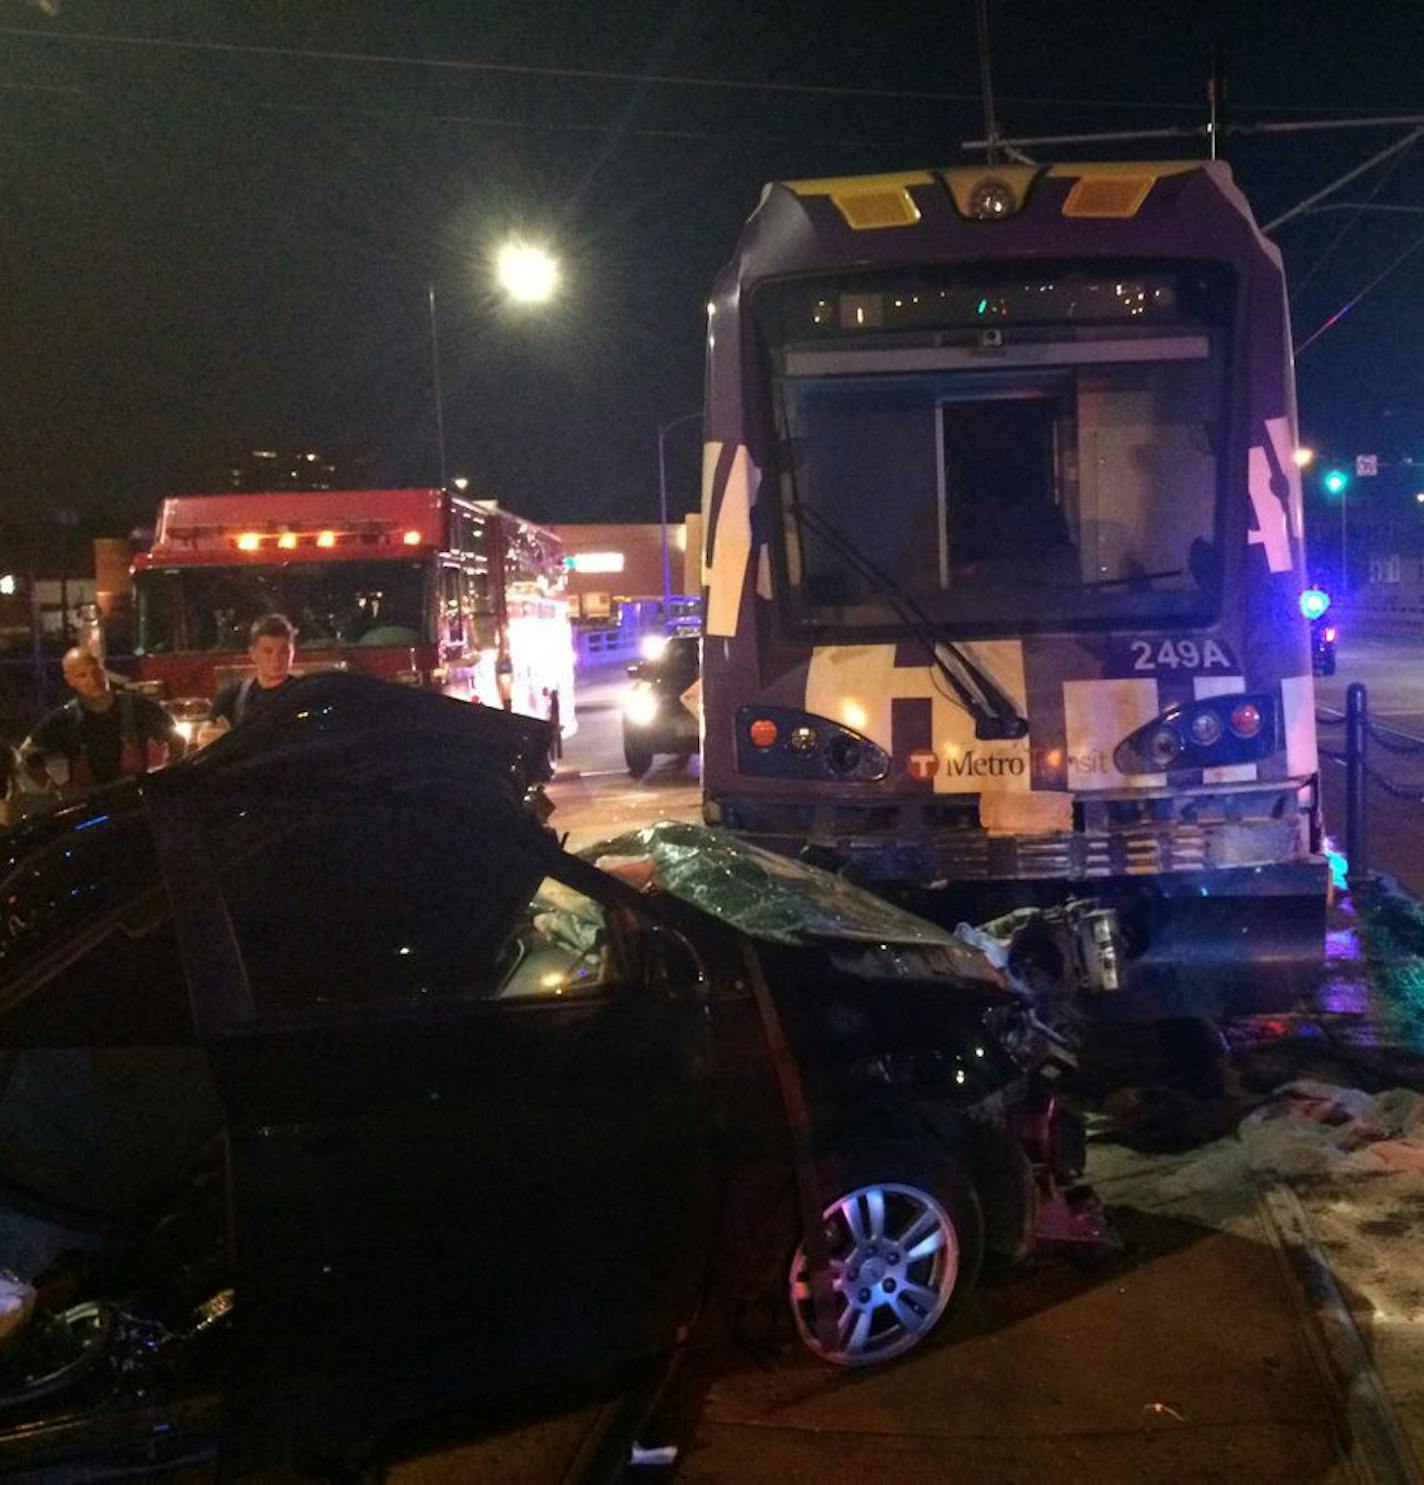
(220, 217)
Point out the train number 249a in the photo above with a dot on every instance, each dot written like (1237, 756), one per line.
(1179, 654)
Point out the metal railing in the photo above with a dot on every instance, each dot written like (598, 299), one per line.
(1360, 734)
(604, 646)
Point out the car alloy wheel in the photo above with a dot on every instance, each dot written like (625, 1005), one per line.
(895, 1256)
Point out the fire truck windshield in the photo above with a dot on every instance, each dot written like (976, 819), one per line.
(333, 604)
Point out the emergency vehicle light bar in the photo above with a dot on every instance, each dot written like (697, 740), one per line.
(286, 539)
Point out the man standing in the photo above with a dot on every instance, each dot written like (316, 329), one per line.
(271, 643)
(99, 736)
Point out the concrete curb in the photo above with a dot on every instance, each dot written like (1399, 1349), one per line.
(1374, 1442)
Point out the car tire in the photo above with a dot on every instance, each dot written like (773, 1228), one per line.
(889, 1300)
(639, 759)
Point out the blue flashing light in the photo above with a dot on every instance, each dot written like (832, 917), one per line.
(1335, 481)
(1314, 602)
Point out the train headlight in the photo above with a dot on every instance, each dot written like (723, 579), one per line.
(783, 742)
(1214, 732)
(1163, 747)
(844, 750)
(1205, 728)
(991, 199)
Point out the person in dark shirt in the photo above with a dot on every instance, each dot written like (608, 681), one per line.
(272, 641)
(101, 735)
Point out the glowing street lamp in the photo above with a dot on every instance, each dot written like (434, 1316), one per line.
(1303, 458)
(526, 274)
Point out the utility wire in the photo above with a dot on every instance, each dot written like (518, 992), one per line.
(513, 69)
(1399, 146)
(1349, 226)
(487, 121)
(14, 87)
(591, 74)
(1351, 303)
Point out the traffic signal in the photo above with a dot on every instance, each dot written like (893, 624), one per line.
(1314, 602)
(1335, 481)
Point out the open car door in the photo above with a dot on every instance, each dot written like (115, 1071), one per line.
(467, 1146)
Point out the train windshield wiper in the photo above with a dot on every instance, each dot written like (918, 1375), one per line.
(995, 715)
(1122, 582)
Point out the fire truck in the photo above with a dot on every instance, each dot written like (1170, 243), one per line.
(419, 586)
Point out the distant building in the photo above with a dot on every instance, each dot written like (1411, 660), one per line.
(613, 564)
(234, 466)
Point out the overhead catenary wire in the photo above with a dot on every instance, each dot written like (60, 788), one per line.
(1350, 303)
(1365, 115)
(570, 126)
(1366, 205)
(1379, 157)
(1199, 131)
(512, 69)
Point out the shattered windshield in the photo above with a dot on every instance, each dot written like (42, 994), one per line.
(1041, 449)
(772, 897)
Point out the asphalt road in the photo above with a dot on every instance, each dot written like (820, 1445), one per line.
(593, 796)
(1391, 668)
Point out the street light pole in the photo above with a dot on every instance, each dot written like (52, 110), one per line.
(436, 387)
(663, 430)
(525, 274)
(1344, 547)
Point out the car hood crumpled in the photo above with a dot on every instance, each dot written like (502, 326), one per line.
(775, 898)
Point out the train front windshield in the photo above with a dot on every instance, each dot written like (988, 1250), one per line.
(1020, 452)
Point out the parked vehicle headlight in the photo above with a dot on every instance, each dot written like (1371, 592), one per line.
(640, 705)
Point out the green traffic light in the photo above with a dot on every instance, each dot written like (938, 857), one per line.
(1335, 481)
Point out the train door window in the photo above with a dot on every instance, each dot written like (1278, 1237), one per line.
(1003, 487)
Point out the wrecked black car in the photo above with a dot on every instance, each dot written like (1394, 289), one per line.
(334, 1091)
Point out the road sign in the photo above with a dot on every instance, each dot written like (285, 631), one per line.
(1366, 464)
